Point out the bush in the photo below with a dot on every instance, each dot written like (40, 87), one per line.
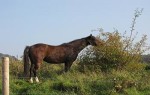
(116, 51)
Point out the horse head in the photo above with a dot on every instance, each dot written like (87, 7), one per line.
(91, 40)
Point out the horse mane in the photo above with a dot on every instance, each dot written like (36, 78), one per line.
(73, 42)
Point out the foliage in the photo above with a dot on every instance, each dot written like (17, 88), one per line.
(117, 50)
(146, 58)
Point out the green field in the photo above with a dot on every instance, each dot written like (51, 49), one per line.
(128, 81)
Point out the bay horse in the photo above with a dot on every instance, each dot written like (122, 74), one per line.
(65, 53)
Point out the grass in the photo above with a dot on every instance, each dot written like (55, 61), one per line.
(54, 82)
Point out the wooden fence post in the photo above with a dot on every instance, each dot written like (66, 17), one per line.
(5, 75)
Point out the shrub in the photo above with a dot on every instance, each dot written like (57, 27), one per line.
(117, 50)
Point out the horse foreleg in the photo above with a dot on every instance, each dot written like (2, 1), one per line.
(67, 66)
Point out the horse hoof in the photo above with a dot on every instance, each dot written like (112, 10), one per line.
(31, 80)
(36, 79)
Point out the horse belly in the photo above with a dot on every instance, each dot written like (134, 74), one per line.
(55, 59)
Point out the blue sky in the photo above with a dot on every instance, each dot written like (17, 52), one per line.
(26, 22)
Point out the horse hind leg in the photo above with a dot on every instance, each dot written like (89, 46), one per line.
(37, 80)
(31, 80)
(31, 69)
(35, 70)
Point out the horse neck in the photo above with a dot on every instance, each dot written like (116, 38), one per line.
(79, 44)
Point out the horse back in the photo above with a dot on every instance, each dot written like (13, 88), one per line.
(51, 54)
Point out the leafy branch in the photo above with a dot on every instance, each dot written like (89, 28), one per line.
(130, 39)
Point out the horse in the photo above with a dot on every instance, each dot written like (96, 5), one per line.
(65, 53)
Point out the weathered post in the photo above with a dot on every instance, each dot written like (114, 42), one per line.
(5, 76)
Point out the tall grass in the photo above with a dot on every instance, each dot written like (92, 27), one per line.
(53, 81)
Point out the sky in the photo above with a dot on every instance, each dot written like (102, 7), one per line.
(27, 22)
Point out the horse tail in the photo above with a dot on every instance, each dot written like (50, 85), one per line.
(26, 60)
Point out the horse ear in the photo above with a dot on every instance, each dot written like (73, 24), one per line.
(90, 35)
